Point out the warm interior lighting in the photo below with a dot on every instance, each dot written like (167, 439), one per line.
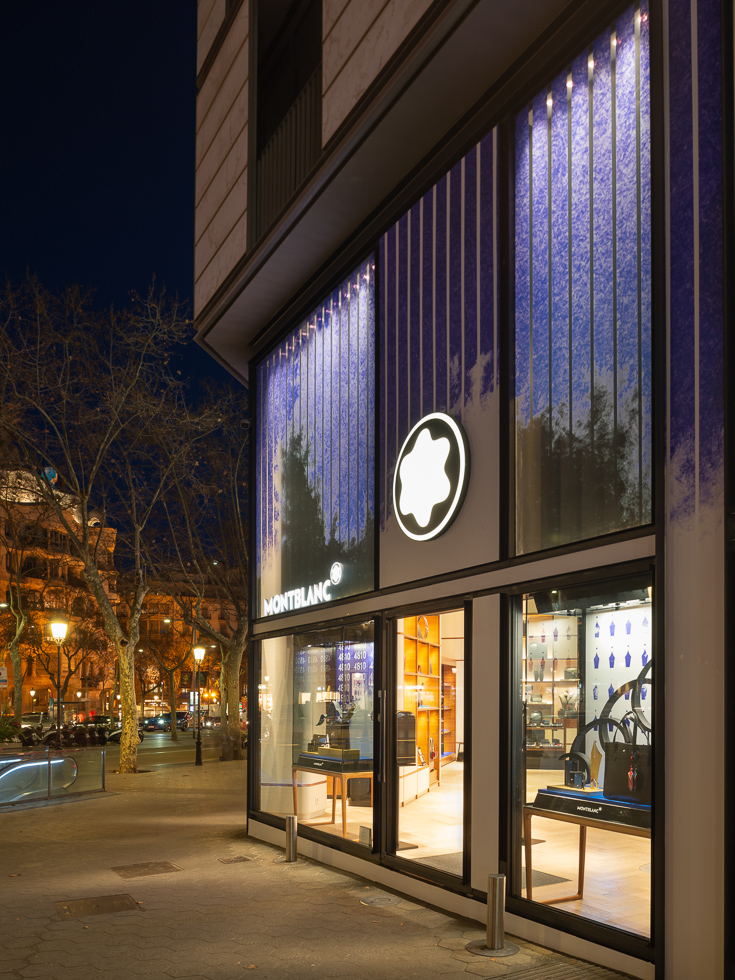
(549, 102)
(199, 654)
(58, 630)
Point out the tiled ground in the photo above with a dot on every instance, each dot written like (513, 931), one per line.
(211, 920)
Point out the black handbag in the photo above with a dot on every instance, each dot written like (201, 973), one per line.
(627, 772)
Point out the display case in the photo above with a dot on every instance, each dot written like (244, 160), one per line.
(448, 713)
(551, 686)
(421, 688)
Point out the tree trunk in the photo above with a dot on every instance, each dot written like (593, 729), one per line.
(233, 702)
(15, 660)
(172, 706)
(129, 737)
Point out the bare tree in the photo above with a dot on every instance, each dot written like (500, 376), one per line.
(203, 560)
(87, 396)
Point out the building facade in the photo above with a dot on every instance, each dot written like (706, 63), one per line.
(472, 261)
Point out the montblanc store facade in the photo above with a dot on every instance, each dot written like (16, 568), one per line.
(488, 507)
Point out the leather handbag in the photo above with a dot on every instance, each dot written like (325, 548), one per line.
(627, 772)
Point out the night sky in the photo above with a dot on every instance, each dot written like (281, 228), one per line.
(97, 166)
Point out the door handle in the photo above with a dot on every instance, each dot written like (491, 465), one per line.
(383, 701)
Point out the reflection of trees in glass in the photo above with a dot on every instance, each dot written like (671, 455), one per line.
(581, 481)
(309, 543)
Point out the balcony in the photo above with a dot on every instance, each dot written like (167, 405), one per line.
(289, 155)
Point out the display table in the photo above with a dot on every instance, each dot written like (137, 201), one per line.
(342, 776)
(583, 821)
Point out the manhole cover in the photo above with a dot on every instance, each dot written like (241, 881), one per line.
(381, 900)
(75, 908)
(149, 868)
(235, 860)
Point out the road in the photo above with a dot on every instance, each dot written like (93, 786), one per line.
(157, 749)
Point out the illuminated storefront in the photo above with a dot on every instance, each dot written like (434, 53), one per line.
(472, 478)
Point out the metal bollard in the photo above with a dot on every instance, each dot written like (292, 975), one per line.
(494, 944)
(495, 912)
(291, 835)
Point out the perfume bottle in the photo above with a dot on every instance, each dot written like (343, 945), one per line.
(597, 628)
(612, 628)
(594, 693)
(610, 691)
(612, 658)
(596, 661)
(628, 627)
(644, 657)
(627, 658)
(556, 634)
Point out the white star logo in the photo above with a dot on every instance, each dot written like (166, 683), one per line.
(424, 482)
(431, 476)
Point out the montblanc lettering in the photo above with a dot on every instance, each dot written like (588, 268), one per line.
(299, 598)
(589, 809)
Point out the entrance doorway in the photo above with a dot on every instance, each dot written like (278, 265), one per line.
(429, 758)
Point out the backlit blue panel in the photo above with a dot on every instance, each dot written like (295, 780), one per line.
(582, 295)
(315, 433)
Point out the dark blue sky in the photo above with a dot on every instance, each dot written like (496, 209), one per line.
(97, 166)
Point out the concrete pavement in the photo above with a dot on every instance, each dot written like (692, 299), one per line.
(209, 902)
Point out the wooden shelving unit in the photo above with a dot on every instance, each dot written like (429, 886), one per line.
(550, 655)
(422, 695)
(449, 712)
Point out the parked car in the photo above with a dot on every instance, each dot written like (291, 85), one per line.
(162, 722)
(114, 735)
(35, 718)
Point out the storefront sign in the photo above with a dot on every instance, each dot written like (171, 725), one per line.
(431, 477)
(300, 598)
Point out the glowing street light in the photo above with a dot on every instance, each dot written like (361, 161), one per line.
(58, 631)
(198, 656)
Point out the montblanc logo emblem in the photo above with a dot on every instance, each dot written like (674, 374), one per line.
(431, 476)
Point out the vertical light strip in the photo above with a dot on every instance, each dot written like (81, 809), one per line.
(695, 221)
(384, 344)
(590, 76)
(569, 251)
(398, 346)
(448, 291)
(433, 298)
(421, 308)
(478, 253)
(530, 263)
(461, 276)
(613, 204)
(549, 253)
(408, 315)
(639, 263)
(496, 368)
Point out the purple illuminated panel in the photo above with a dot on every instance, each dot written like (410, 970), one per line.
(315, 438)
(583, 295)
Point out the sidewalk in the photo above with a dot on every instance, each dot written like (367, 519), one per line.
(229, 905)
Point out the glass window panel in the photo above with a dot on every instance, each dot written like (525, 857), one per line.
(586, 709)
(583, 295)
(316, 699)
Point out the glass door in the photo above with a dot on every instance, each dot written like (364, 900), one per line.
(427, 764)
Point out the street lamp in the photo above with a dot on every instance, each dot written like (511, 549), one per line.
(58, 631)
(198, 656)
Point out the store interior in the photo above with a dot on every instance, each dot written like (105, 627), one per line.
(587, 699)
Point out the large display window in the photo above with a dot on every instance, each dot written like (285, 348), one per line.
(316, 703)
(586, 697)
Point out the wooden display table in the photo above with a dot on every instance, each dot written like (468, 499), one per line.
(583, 822)
(341, 777)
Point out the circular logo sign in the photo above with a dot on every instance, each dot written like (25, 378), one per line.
(335, 573)
(431, 476)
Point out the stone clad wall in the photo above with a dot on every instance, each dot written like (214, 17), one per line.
(221, 152)
(359, 37)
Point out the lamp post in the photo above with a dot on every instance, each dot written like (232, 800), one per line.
(58, 631)
(198, 656)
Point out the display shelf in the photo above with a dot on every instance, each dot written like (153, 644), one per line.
(550, 649)
(421, 688)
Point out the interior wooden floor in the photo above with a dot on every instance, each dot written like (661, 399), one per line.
(617, 879)
(617, 888)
